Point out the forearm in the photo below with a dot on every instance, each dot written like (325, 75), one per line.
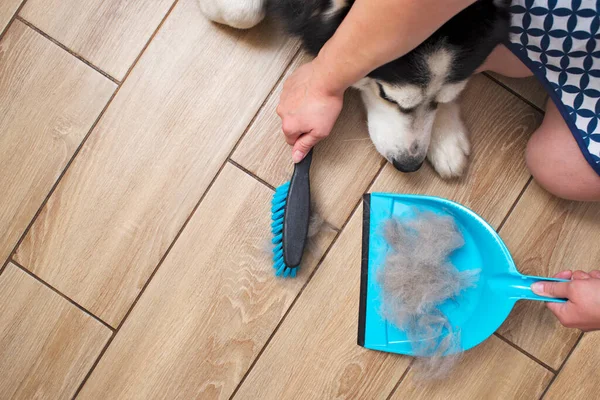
(376, 32)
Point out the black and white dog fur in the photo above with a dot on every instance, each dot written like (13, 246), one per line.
(411, 102)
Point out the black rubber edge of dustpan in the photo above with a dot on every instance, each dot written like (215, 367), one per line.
(364, 269)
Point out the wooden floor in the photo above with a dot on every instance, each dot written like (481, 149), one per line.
(140, 148)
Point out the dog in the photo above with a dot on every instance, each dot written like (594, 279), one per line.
(411, 102)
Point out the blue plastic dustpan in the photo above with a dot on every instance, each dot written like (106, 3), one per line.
(479, 311)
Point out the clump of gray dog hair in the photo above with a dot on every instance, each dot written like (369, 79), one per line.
(316, 225)
(416, 278)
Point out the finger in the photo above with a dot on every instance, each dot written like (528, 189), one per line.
(580, 275)
(564, 275)
(291, 139)
(551, 289)
(292, 130)
(595, 274)
(556, 308)
(303, 146)
(561, 312)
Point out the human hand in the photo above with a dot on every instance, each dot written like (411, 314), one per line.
(582, 310)
(308, 109)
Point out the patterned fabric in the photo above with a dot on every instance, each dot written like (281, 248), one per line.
(559, 40)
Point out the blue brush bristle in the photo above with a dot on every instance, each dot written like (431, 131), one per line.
(278, 211)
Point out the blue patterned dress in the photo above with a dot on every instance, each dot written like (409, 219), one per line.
(559, 40)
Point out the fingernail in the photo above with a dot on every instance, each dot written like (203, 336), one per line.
(538, 288)
(297, 156)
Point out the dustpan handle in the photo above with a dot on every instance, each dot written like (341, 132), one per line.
(521, 288)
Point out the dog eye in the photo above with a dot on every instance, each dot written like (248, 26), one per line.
(384, 96)
(433, 105)
(406, 110)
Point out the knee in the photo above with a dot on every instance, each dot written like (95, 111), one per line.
(561, 169)
(240, 14)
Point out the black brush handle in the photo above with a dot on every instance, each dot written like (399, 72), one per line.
(297, 213)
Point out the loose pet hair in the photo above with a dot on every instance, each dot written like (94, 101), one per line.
(411, 102)
(416, 278)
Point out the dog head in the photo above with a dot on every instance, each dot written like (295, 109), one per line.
(401, 96)
(401, 111)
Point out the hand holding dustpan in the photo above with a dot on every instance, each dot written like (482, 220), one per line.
(479, 311)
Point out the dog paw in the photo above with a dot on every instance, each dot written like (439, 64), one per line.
(450, 157)
(240, 14)
(450, 147)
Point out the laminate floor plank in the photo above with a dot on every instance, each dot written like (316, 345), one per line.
(493, 370)
(579, 377)
(529, 88)
(8, 8)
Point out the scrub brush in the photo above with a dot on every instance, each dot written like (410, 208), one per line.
(291, 214)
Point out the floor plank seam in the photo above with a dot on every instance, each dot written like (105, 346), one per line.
(525, 353)
(514, 93)
(514, 205)
(11, 20)
(150, 39)
(65, 48)
(561, 366)
(251, 174)
(43, 282)
(96, 361)
(397, 385)
(308, 280)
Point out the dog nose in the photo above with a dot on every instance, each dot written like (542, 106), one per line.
(407, 165)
